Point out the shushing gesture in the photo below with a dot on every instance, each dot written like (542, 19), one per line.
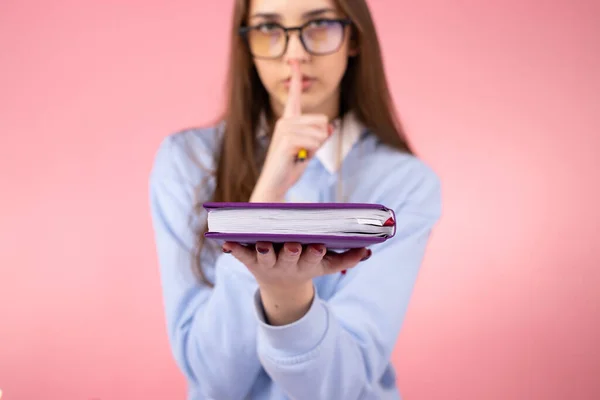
(293, 131)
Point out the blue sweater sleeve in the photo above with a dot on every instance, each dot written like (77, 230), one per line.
(212, 333)
(343, 346)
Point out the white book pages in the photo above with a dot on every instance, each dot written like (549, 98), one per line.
(342, 221)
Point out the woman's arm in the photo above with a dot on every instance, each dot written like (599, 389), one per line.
(212, 333)
(340, 348)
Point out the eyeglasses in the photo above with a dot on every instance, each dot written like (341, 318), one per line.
(319, 37)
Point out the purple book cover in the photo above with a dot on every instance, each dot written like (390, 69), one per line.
(333, 242)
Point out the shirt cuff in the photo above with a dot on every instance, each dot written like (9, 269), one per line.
(296, 338)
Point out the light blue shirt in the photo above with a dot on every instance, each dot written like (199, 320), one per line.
(341, 348)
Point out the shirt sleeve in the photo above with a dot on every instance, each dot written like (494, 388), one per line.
(343, 346)
(211, 333)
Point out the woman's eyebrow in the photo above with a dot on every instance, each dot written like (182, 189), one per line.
(276, 16)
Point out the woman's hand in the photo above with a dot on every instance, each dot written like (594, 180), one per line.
(293, 265)
(293, 131)
(285, 277)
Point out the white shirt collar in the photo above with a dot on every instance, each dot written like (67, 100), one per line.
(349, 132)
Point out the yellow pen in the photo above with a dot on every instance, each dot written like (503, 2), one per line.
(302, 155)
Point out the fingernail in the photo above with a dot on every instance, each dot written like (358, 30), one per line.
(317, 250)
(369, 252)
(226, 251)
(294, 250)
(344, 271)
(262, 250)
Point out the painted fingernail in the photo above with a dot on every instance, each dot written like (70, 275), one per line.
(226, 251)
(369, 252)
(317, 250)
(262, 250)
(294, 250)
(344, 271)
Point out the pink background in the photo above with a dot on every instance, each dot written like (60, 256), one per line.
(500, 97)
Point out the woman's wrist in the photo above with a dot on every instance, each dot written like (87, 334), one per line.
(284, 306)
(261, 195)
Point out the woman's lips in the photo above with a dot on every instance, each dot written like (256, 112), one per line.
(307, 82)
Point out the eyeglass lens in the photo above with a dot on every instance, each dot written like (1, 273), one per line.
(319, 37)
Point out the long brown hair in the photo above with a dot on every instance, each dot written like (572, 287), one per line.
(364, 91)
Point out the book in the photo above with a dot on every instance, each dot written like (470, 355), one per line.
(335, 225)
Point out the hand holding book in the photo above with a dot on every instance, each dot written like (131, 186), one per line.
(285, 276)
(293, 264)
(286, 245)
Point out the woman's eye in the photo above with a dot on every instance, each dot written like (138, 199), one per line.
(320, 23)
(268, 27)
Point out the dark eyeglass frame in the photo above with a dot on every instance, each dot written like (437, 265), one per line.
(245, 30)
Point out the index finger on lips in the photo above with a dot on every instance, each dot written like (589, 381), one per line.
(293, 104)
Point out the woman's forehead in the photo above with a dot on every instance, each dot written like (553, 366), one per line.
(290, 9)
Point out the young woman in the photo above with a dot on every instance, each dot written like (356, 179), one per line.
(292, 323)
